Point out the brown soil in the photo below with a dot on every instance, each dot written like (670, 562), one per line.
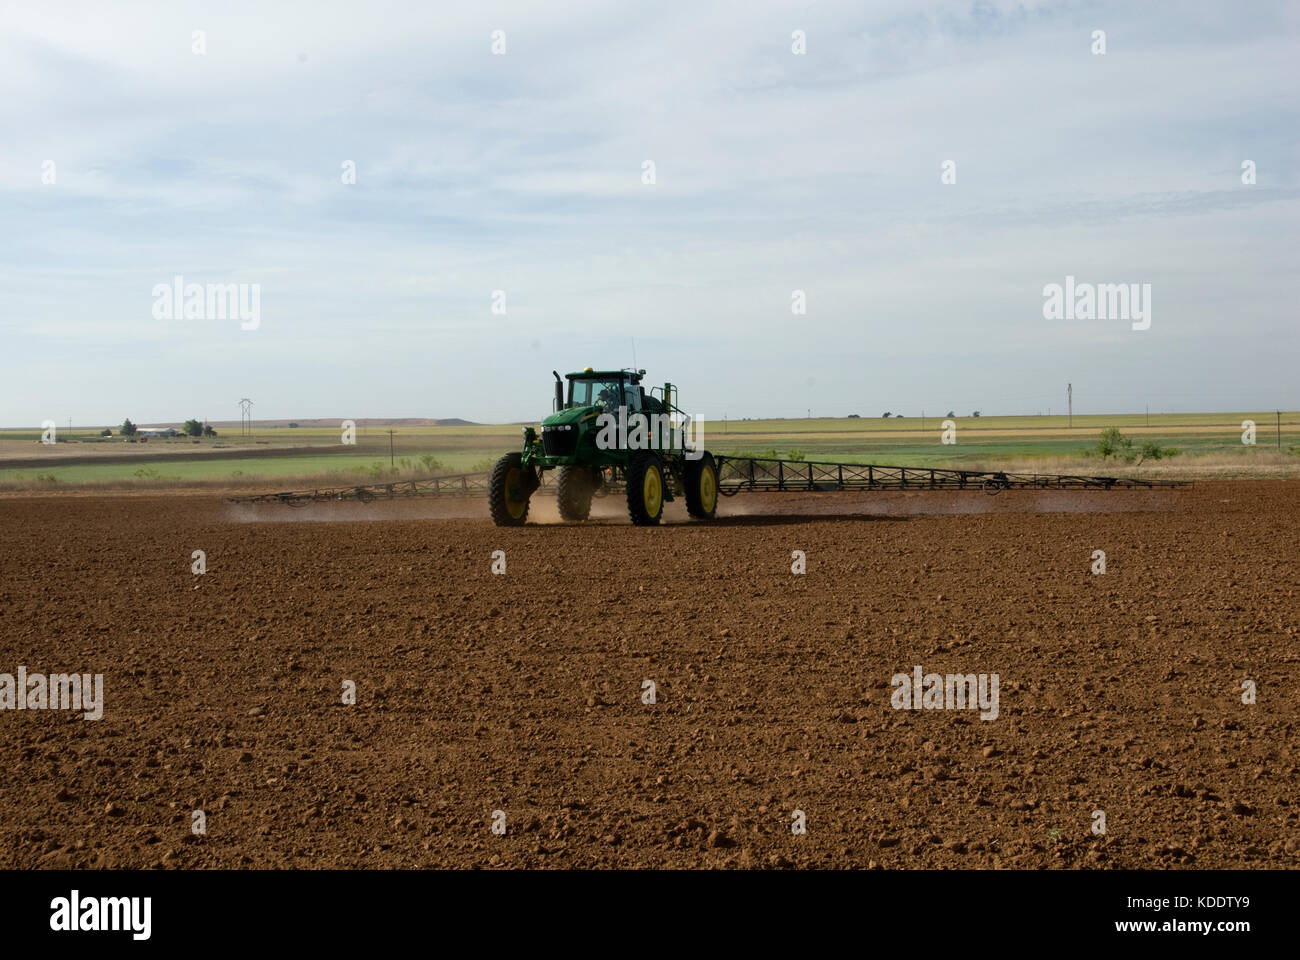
(522, 692)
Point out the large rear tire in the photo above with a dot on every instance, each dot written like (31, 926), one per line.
(702, 487)
(573, 493)
(508, 491)
(645, 489)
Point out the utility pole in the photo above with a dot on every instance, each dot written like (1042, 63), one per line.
(1069, 399)
(390, 449)
(1148, 414)
(1279, 431)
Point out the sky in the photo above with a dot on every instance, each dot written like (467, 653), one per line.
(501, 224)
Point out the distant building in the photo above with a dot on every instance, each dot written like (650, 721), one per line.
(151, 433)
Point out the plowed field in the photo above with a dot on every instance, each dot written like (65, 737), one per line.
(523, 692)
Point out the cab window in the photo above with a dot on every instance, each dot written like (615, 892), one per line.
(598, 392)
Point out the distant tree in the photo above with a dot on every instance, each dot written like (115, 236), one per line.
(898, 416)
(106, 432)
(193, 428)
(951, 414)
(1151, 450)
(293, 426)
(975, 414)
(128, 429)
(208, 431)
(886, 415)
(854, 416)
(1112, 443)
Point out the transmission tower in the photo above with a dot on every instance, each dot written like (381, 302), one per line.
(245, 417)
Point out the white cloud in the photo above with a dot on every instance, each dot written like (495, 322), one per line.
(522, 173)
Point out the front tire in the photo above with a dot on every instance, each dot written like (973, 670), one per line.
(702, 487)
(508, 491)
(573, 493)
(645, 489)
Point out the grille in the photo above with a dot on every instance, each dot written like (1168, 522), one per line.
(559, 443)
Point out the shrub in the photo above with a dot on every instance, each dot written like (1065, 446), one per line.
(1112, 443)
(1151, 450)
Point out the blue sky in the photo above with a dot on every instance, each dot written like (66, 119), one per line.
(522, 172)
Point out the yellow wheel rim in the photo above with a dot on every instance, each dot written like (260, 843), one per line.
(514, 507)
(653, 491)
(708, 489)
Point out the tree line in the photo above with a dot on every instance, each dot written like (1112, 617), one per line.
(192, 428)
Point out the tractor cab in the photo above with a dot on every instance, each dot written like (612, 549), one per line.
(607, 390)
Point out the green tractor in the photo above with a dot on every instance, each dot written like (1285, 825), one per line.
(606, 431)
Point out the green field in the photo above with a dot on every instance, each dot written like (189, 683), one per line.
(280, 457)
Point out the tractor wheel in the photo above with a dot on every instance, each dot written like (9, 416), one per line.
(645, 489)
(508, 492)
(573, 493)
(702, 487)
